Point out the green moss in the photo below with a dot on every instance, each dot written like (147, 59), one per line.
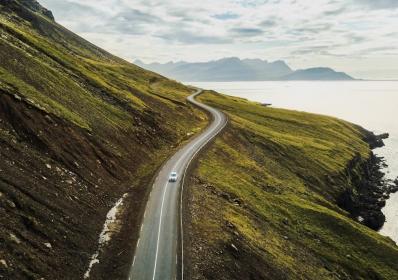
(31, 94)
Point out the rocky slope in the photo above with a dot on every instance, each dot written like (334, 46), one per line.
(79, 130)
(274, 212)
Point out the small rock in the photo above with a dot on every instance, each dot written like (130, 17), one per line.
(11, 204)
(230, 225)
(47, 117)
(234, 247)
(14, 238)
(48, 245)
(286, 237)
(48, 166)
(384, 136)
(4, 263)
(17, 97)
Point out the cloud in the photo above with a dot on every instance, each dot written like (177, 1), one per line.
(226, 16)
(161, 30)
(188, 37)
(378, 4)
(65, 9)
(246, 31)
(336, 11)
(130, 21)
(312, 29)
(310, 50)
(355, 38)
(268, 23)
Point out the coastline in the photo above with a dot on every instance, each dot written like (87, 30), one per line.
(370, 189)
(277, 201)
(376, 113)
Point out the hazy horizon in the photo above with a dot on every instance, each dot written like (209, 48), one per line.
(270, 61)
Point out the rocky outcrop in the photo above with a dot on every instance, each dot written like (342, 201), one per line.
(375, 141)
(370, 189)
(36, 7)
(25, 8)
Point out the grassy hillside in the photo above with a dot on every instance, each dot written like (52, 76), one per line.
(81, 128)
(262, 203)
(78, 129)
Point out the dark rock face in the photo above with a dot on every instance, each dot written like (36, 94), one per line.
(34, 6)
(370, 190)
(376, 141)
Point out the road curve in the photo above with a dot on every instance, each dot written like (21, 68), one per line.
(158, 250)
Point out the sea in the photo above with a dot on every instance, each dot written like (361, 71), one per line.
(371, 104)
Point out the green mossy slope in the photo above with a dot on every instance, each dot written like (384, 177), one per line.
(263, 200)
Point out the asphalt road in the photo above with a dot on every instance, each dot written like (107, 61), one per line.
(158, 254)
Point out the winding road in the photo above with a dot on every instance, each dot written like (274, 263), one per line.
(159, 253)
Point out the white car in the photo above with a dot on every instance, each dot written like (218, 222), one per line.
(173, 177)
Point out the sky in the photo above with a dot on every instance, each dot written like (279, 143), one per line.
(359, 37)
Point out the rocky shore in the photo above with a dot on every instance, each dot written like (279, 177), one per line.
(370, 188)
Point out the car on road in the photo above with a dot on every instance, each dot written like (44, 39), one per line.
(173, 177)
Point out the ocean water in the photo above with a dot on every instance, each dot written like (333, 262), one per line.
(371, 104)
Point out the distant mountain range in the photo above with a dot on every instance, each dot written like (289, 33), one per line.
(235, 69)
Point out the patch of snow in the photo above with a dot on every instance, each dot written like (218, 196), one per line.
(360, 219)
(93, 261)
(106, 233)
